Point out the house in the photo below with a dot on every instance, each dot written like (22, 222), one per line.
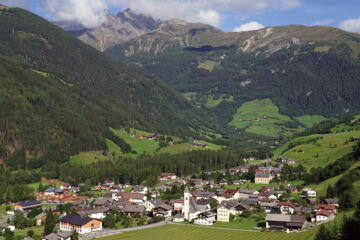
(251, 202)
(332, 201)
(132, 210)
(179, 204)
(60, 235)
(286, 207)
(150, 205)
(262, 177)
(27, 205)
(285, 221)
(206, 218)
(230, 207)
(80, 224)
(246, 192)
(97, 213)
(178, 218)
(330, 208)
(309, 192)
(4, 226)
(163, 210)
(302, 210)
(269, 206)
(190, 209)
(51, 191)
(204, 195)
(140, 189)
(323, 216)
(40, 219)
(138, 198)
(292, 189)
(167, 176)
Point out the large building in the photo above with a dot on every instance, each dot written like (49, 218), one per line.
(81, 224)
(27, 205)
(262, 177)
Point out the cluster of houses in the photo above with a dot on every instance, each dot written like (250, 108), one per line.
(208, 202)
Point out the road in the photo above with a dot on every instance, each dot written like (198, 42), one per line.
(108, 232)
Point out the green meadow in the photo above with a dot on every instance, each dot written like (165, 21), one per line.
(310, 120)
(262, 117)
(195, 232)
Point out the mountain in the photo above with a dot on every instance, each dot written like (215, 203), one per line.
(291, 73)
(124, 26)
(60, 96)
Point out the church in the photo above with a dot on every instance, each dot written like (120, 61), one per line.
(190, 209)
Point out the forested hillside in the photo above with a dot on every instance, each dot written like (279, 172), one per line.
(59, 96)
(304, 71)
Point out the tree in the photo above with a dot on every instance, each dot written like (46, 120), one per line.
(49, 223)
(351, 225)
(30, 233)
(74, 235)
(19, 220)
(9, 235)
(110, 221)
(246, 213)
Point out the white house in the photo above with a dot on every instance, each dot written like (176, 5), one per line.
(309, 192)
(178, 218)
(323, 215)
(151, 204)
(97, 213)
(206, 218)
(4, 226)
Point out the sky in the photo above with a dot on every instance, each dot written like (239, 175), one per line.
(228, 15)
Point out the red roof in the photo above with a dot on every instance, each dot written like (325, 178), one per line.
(290, 204)
(326, 207)
(230, 191)
(323, 212)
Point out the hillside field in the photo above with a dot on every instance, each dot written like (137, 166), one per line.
(317, 150)
(194, 232)
(140, 146)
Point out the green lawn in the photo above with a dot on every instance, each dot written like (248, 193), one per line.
(330, 148)
(262, 117)
(310, 120)
(211, 102)
(196, 232)
(244, 223)
(35, 186)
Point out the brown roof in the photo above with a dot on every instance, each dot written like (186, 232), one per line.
(134, 208)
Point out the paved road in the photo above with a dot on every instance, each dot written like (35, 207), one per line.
(109, 232)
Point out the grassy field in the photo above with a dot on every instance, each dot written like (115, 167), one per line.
(317, 154)
(310, 120)
(262, 117)
(88, 157)
(22, 233)
(211, 102)
(194, 232)
(35, 186)
(3, 210)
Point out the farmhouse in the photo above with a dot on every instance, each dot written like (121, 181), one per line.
(286, 207)
(285, 221)
(150, 205)
(323, 216)
(81, 224)
(230, 207)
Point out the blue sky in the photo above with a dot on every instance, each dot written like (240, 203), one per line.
(225, 14)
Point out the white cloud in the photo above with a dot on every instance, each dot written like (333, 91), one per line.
(210, 17)
(250, 26)
(322, 22)
(90, 14)
(351, 25)
(16, 3)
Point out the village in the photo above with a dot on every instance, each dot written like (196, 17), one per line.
(215, 199)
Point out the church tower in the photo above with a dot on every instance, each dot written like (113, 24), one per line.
(186, 208)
